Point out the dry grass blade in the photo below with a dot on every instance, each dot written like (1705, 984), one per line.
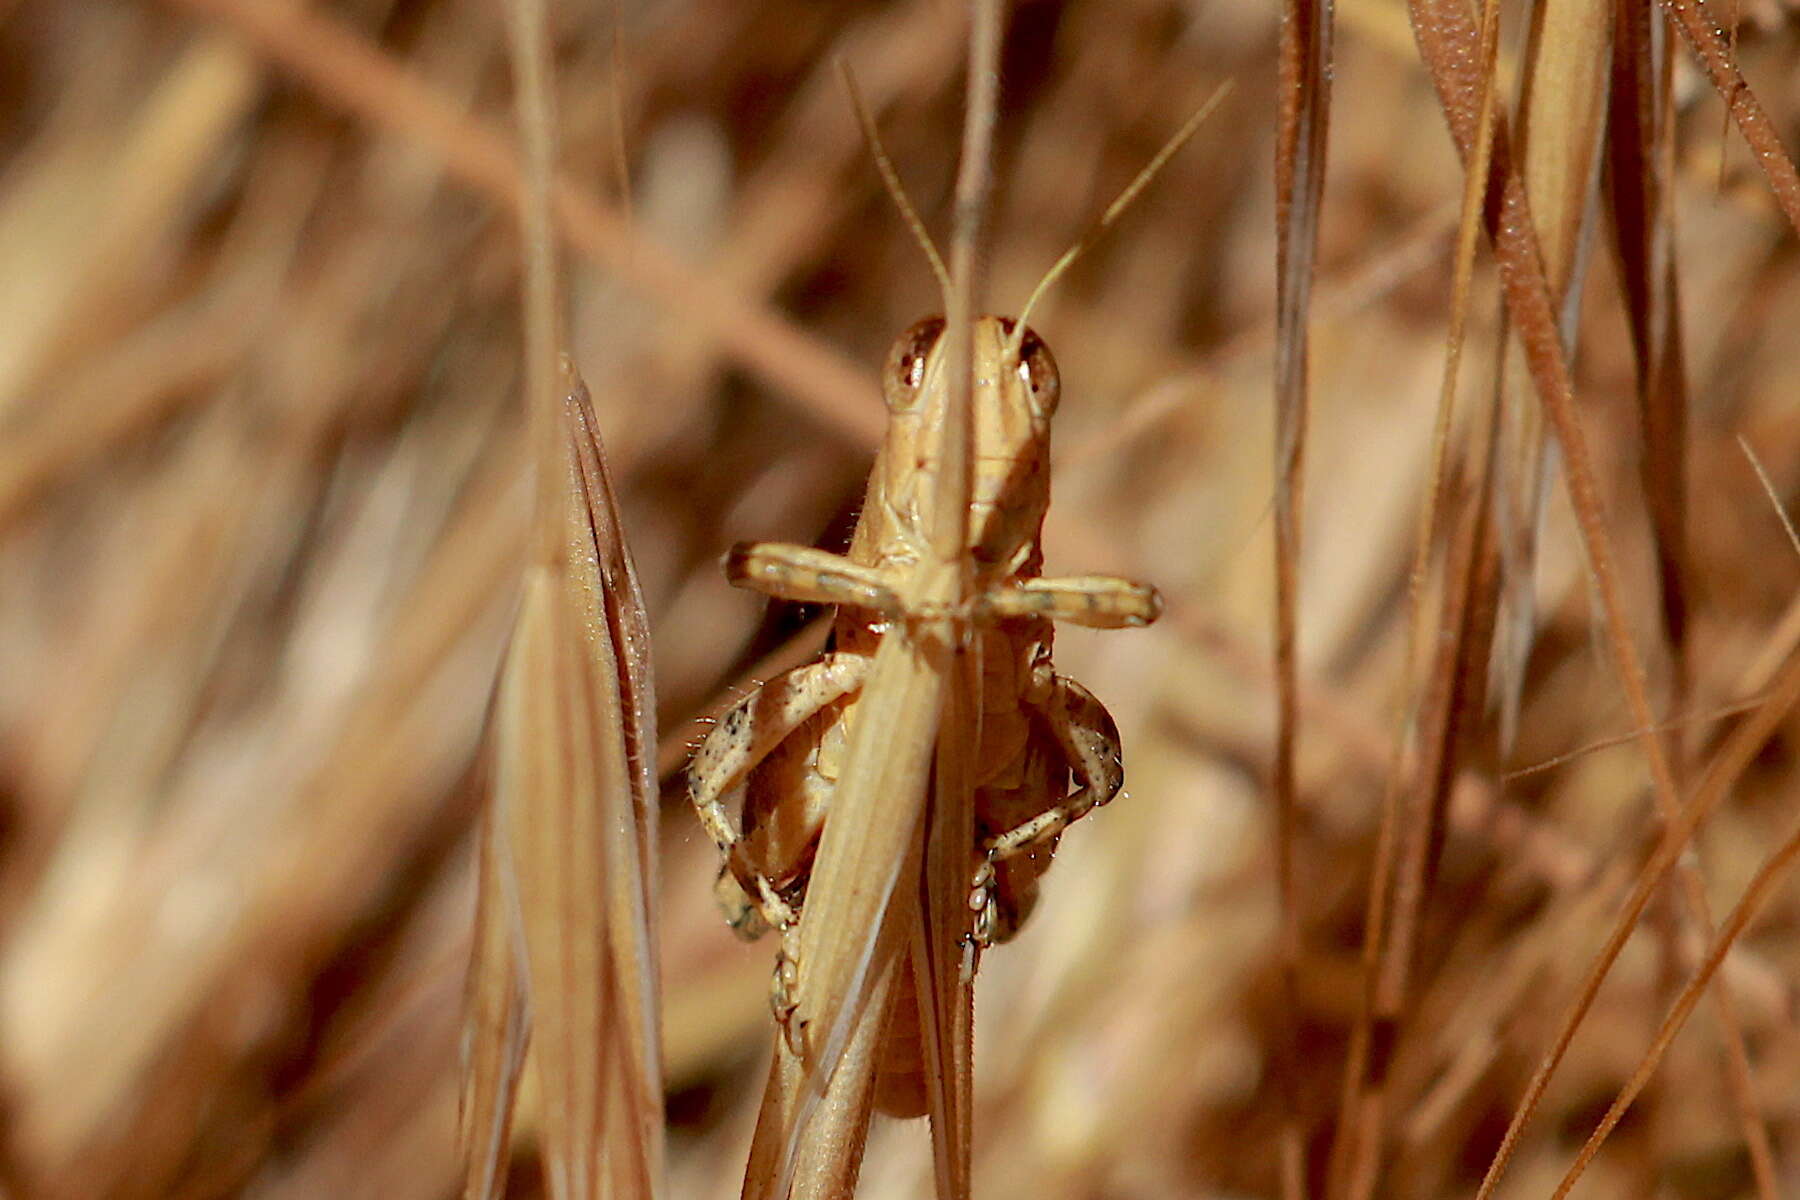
(1563, 125)
(1304, 74)
(1447, 734)
(1446, 39)
(1768, 877)
(498, 1027)
(1563, 118)
(1440, 733)
(1728, 763)
(811, 1145)
(845, 944)
(974, 180)
(552, 761)
(1715, 49)
(1643, 151)
(574, 740)
(943, 989)
(1640, 148)
(601, 571)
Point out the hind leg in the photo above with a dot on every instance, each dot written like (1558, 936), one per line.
(1089, 740)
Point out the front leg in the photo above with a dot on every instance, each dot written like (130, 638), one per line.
(811, 576)
(1089, 740)
(1096, 601)
(743, 737)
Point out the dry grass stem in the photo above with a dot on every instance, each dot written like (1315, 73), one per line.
(1304, 73)
(569, 887)
(1356, 1146)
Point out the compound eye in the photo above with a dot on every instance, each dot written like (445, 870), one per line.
(904, 375)
(1037, 370)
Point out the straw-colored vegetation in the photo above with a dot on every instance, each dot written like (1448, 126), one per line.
(266, 510)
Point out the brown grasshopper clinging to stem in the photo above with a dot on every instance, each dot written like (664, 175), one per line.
(1038, 732)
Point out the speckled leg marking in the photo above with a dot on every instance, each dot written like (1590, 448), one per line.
(744, 736)
(1090, 741)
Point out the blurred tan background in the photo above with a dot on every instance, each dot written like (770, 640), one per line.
(262, 498)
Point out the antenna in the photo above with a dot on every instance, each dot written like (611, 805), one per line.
(1114, 210)
(891, 179)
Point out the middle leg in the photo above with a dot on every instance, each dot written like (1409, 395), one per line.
(743, 737)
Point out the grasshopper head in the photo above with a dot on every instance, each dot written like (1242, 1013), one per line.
(1016, 391)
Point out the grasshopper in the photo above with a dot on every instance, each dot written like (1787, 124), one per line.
(784, 742)
(1046, 752)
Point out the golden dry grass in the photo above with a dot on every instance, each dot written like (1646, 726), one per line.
(264, 510)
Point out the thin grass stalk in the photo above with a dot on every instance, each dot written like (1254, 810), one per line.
(1303, 70)
(527, 23)
(845, 946)
(942, 989)
(1448, 732)
(974, 181)
(1443, 729)
(1355, 1150)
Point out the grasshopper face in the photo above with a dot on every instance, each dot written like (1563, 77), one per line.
(1015, 394)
